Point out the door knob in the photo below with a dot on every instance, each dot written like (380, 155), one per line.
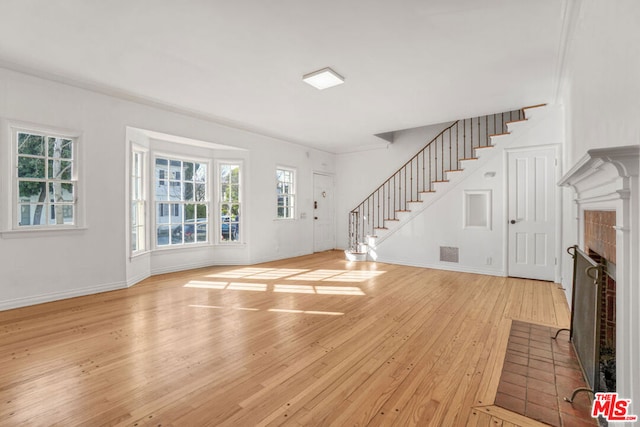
(513, 221)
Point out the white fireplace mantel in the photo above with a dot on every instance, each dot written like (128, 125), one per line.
(607, 179)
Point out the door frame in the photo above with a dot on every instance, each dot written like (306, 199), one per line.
(333, 210)
(558, 208)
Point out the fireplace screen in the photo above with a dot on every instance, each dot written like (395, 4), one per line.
(585, 314)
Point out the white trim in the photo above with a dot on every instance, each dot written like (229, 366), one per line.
(447, 267)
(488, 209)
(79, 205)
(217, 222)
(56, 296)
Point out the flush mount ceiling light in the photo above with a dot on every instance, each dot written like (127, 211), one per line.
(323, 79)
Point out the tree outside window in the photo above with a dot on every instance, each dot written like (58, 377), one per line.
(230, 202)
(45, 180)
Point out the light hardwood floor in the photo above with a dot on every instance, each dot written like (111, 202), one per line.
(313, 340)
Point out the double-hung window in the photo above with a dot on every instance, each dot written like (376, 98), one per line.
(230, 201)
(138, 201)
(182, 203)
(286, 193)
(46, 180)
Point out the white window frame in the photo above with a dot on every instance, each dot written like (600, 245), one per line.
(291, 194)
(220, 201)
(139, 177)
(75, 179)
(156, 203)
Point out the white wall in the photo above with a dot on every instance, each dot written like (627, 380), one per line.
(418, 240)
(45, 266)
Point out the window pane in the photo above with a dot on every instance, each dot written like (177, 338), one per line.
(32, 214)
(32, 145)
(60, 148)
(175, 190)
(176, 213)
(60, 192)
(175, 167)
(201, 233)
(163, 235)
(163, 213)
(31, 191)
(161, 190)
(134, 215)
(60, 169)
(201, 172)
(235, 174)
(61, 214)
(201, 212)
(188, 191)
(176, 234)
(29, 167)
(188, 171)
(134, 239)
(225, 172)
(190, 212)
(200, 193)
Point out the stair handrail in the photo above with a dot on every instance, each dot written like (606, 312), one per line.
(396, 189)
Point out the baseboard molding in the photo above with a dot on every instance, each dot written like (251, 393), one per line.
(277, 258)
(134, 280)
(56, 296)
(447, 267)
(183, 267)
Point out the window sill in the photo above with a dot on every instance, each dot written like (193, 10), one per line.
(40, 232)
(170, 248)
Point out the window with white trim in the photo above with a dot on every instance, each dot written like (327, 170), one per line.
(138, 201)
(285, 192)
(230, 201)
(46, 182)
(182, 204)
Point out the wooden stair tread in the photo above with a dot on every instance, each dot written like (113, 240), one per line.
(455, 170)
(469, 158)
(500, 134)
(515, 121)
(483, 146)
(533, 106)
(403, 210)
(391, 219)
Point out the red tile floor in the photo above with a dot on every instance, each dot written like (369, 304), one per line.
(538, 373)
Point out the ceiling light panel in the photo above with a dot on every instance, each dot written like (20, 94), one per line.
(323, 79)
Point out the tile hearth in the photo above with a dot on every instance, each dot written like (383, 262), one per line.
(537, 374)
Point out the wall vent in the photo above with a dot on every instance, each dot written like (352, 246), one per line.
(448, 254)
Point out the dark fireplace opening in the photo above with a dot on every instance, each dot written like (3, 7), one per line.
(600, 245)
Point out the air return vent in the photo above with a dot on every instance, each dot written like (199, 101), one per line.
(448, 254)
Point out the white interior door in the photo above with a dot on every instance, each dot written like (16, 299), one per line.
(532, 213)
(323, 217)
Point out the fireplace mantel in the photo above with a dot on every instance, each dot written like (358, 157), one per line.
(603, 174)
(607, 179)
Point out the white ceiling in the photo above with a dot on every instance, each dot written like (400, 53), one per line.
(407, 63)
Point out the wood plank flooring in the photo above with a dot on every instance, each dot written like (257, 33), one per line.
(313, 340)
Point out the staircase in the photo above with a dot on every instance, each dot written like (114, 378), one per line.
(414, 186)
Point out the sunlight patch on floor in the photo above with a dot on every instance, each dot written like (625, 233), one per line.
(272, 310)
